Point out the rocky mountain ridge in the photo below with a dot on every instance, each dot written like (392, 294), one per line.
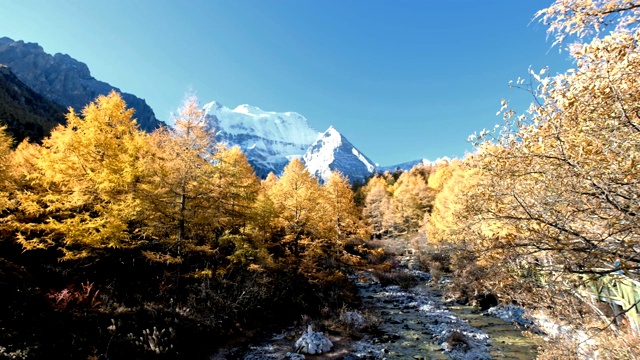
(65, 80)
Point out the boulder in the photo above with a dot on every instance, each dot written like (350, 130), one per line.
(312, 342)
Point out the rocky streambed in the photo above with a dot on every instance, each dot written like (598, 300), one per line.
(412, 324)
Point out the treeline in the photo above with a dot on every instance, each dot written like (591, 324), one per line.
(107, 231)
(396, 203)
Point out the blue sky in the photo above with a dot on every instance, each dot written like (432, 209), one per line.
(401, 79)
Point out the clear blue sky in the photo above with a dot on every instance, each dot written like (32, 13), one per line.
(401, 79)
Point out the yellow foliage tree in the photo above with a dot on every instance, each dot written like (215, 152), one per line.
(237, 188)
(6, 183)
(456, 183)
(412, 199)
(78, 187)
(181, 191)
(339, 210)
(264, 216)
(377, 210)
(296, 198)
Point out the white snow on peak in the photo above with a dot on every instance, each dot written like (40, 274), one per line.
(285, 127)
(270, 139)
(331, 151)
(442, 160)
(322, 153)
(249, 110)
(212, 105)
(370, 167)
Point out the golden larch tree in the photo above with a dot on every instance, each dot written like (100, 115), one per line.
(180, 192)
(340, 212)
(78, 188)
(296, 197)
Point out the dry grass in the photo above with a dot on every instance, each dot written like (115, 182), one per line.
(603, 344)
(395, 277)
(354, 322)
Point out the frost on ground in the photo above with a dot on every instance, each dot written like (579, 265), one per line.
(514, 314)
(586, 346)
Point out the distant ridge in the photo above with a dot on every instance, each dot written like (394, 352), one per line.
(64, 80)
(406, 166)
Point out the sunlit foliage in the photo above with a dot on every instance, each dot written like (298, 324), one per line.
(77, 189)
(550, 199)
(296, 196)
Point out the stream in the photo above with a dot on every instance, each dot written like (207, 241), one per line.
(414, 324)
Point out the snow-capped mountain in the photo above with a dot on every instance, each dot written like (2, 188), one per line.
(270, 139)
(332, 151)
(406, 166)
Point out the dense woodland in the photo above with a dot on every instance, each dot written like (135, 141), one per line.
(111, 229)
(107, 231)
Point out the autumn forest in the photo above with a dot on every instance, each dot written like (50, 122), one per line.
(107, 231)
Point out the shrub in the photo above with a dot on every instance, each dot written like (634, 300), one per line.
(353, 321)
(395, 277)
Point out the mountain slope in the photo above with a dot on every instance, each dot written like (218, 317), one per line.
(270, 139)
(25, 112)
(64, 80)
(406, 166)
(332, 151)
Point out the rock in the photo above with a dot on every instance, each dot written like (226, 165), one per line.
(65, 80)
(486, 301)
(457, 340)
(294, 356)
(312, 342)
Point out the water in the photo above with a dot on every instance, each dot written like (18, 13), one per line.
(416, 324)
(508, 341)
(419, 322)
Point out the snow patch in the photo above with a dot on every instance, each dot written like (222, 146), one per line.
(364, 160)
(332, 151)
(513, 314)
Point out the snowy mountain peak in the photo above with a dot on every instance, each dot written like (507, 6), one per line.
(331, 132)
(332, 151)
(212, 106)
(331, 137)
(249, 110)
(271, 139)
(268, 138)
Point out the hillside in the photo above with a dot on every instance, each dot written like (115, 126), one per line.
(26, 113)
(65, 80)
